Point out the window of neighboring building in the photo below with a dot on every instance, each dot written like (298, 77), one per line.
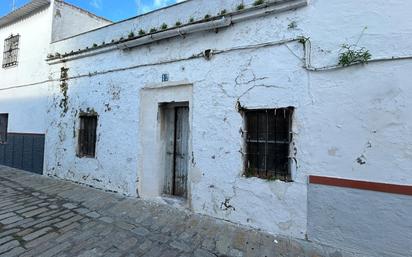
(87, 136)
(4, 118)
(11, 51)
(268, 140)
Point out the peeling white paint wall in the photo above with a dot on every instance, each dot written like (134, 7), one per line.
(340, 115)
(24, 88)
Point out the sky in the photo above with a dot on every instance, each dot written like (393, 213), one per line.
(114, 10)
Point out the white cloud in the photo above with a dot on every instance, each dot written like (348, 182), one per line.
(96, 4)
(150, 5)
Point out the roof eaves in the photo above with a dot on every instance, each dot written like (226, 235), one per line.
(84, 11)
(26, 10)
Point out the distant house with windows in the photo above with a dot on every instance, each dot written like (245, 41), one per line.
(24, 77)
(284, 116)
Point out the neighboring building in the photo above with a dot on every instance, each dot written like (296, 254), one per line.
(24, 75)
(253, 114)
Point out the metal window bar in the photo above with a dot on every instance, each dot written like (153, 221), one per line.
(268, 138)
(87, 136)
(11, 51)
(3, 128)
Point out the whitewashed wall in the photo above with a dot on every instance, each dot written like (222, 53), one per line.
(363, 221)
(341, 115)
(24, 88)
(68, 20)
(26, 103)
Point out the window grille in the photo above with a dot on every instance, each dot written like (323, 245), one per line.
(3, 128)
(87, 136)
(11, 51)
(268, 139)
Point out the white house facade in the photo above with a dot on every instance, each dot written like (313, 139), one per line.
(288, 116)
(24, 78)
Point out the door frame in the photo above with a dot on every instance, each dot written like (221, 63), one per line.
(151, 154)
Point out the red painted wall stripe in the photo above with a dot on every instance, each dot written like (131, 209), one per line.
(365, 185)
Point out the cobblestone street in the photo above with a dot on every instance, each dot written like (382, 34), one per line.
(41, 216)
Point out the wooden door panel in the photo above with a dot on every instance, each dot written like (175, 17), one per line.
(181, 151)
(169, 119)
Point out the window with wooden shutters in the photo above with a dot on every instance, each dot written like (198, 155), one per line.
(4, 118)
(11, 51)
(87, 136)
(268, 138)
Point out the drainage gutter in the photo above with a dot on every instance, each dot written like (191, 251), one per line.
(218, 22)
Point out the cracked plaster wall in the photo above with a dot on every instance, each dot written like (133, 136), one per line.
(340, 116)
(24, 88)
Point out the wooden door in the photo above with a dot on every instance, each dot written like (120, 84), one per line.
(181, 151)
(177, 144)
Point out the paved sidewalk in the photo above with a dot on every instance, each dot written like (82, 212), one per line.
(41, 216)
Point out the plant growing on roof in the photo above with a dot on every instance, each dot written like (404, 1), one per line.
(292, 25)
(258, 2)
(163, 26)
(94, 45)
(153, 30)
(178, 23)
(207, 16)
(352, 54)
(131, 34)
(191, 19)
(142, 32)
(223, 12)
(240, 7)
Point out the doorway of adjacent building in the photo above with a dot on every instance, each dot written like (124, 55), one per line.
(176, 138)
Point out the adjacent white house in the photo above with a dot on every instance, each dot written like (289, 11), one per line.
(24, 75)
(288, 116)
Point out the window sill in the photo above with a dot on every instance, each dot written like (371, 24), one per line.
(9, 66)
(271, 179)
(86, 156)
